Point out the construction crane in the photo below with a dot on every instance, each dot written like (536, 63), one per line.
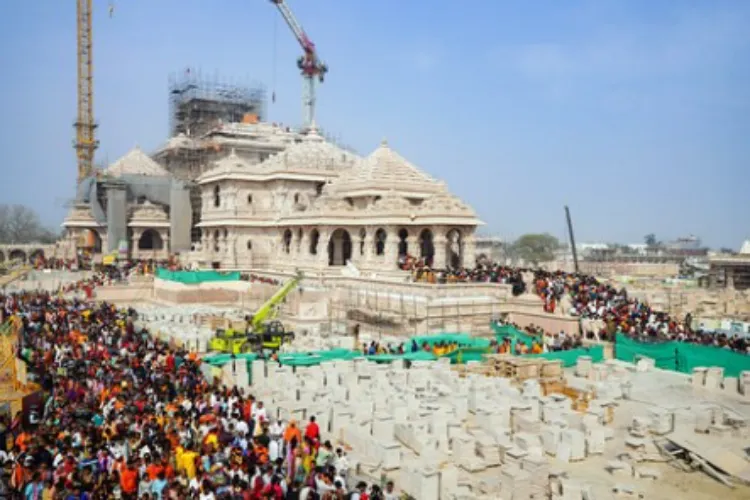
(85, 143)
(310, 65)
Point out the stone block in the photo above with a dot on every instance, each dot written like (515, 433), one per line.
(583, 366)
(698, 378)
(731, 385)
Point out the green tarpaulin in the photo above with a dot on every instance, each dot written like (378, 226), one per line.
(196, 277)
(222, 359)
(515, 335)
(570, 358)
(681, 357)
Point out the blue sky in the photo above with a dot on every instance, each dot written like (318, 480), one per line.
(635, 113)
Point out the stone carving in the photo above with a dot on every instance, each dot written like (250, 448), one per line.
(312, 153)
(445, 204)
(136, 162)
(148, 212)
(81, 212)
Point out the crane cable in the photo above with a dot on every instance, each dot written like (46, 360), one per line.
(273, 62)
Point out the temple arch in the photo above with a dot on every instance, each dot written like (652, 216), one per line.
(426, 247)
(287, 241)
(17, 254)
(150, 240)
(217, 196)
(362, 236)
(380, 238)
(339, 248)
(314, 239)
(403, 243)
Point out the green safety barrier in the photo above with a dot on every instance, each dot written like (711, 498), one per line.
(570, 358)
(222, 359)
(680, 356)
(196, 277)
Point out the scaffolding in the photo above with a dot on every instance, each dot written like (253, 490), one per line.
(198, 103)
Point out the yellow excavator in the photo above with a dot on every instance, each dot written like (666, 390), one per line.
(263, 332)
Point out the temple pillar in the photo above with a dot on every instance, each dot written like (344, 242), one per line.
(730, 277)
(412, 242)
(366, 256)
(469, 250)
(133, 244)
(322, 257)
(439, 241)
(391, 249)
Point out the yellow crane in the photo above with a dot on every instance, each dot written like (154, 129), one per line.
(85, 125)
(85, 143)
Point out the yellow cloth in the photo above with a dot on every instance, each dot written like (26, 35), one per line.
(188, 463)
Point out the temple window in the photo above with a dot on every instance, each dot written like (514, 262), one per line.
(249, 244)
(314, 238)
(217, 196)
(249, 199)
(287, 241)
(380, 237)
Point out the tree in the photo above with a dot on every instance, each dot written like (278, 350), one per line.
(536, 248)
(20, 224)
(650, 240)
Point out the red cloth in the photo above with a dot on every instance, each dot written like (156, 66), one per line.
(312, 431)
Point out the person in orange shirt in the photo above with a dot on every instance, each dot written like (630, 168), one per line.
(129, 481)
(153, 470)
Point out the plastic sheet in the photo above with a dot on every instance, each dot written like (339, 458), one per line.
(196, 277)
(680, 356)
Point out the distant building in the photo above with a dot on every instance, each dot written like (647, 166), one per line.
(729, 270)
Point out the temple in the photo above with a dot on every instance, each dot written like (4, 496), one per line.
(260, 196)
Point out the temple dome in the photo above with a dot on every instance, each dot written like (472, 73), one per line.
(136, 162)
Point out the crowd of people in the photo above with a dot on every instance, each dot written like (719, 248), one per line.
(126, 416)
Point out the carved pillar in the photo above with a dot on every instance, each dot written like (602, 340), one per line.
(133, 244)
(304, 244)
(391, 249)
(325, 236)
(730, 277)
(439, 241)
(366, 257)
(469, 250)
(412, 240)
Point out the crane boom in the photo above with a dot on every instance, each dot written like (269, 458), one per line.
(86, 143)
(267, 309)
(310, 65)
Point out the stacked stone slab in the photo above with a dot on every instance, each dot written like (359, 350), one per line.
(427, 428)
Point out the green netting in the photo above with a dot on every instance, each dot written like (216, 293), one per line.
(514, 334)
(222, 359)
(690, 356)
(462, 339)
(570, 358)
(385, 358)
(682, 357)
(195, 277)
(465, 354)
(663, 353)
(419, 356)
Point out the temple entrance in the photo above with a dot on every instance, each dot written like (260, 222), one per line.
(339, 248)
(150, 240)
(17, 255)
(426, 247)
(454, 258)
